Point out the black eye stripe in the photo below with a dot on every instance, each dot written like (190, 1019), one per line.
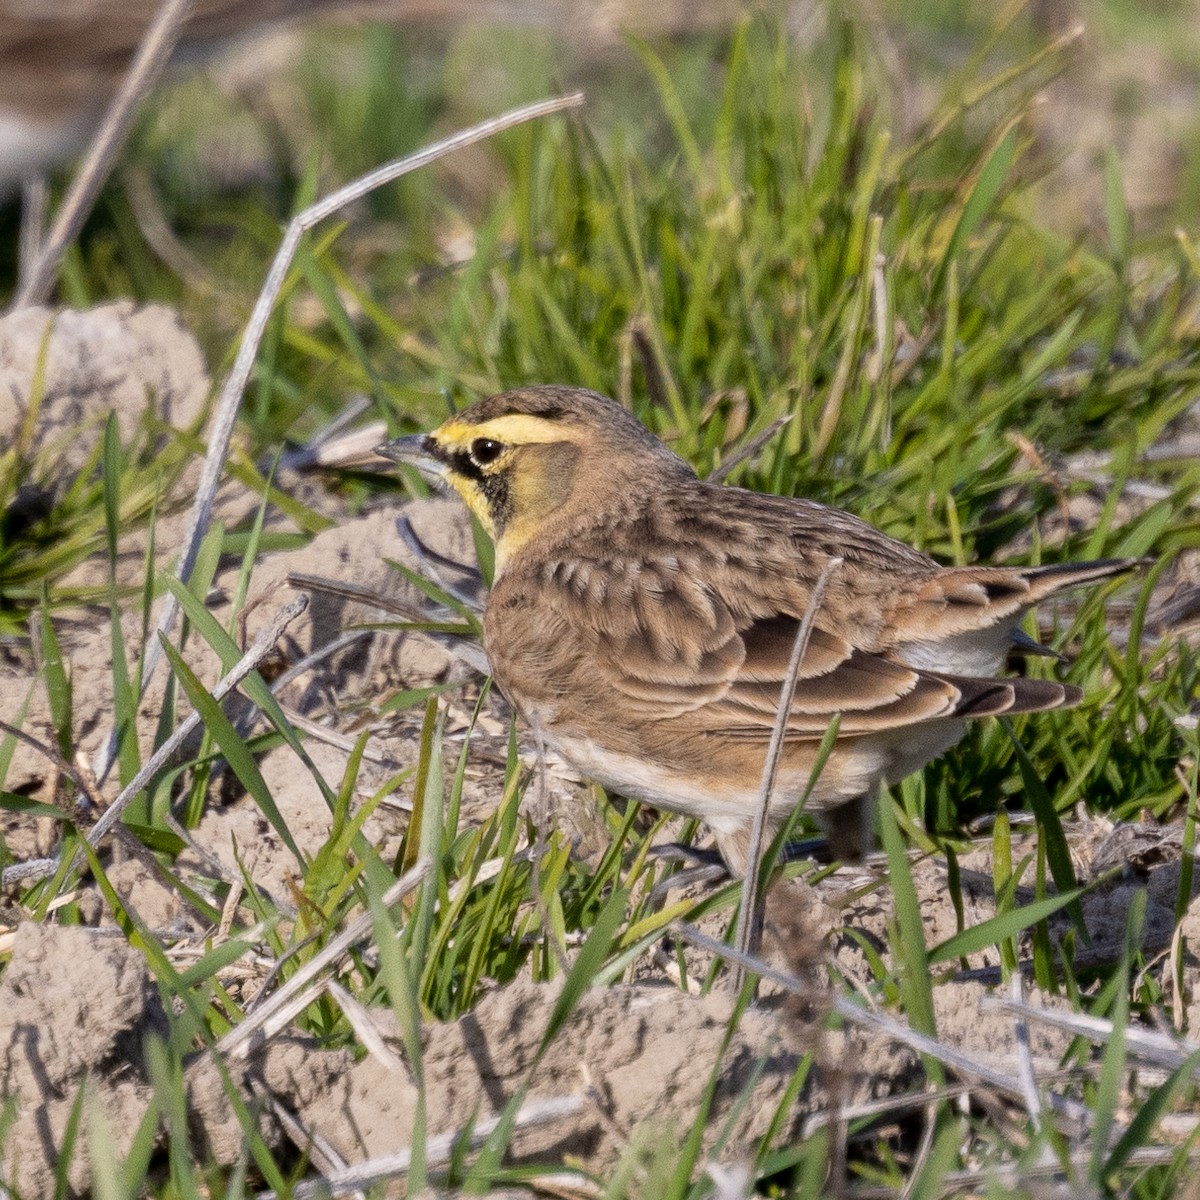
(463, 464)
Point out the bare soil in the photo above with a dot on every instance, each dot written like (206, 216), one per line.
(76, 1003)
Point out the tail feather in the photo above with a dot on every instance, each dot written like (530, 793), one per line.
(960, 600)
(1058, 577)
(994, 697)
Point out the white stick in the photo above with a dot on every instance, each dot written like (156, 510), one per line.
(230, 398)
(747, 916)
(151, 57)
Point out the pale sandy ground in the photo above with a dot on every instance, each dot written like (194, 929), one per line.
(75, 1001)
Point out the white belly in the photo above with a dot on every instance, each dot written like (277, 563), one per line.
(979, 653)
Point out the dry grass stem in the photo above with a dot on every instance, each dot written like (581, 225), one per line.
(363, 1024)
(304, 1137)
(239, 1041)
(151, 57)
(437, 1151)
(886, 1106)
(35, 200)
(54, 755)
(1155, 1049)
(748, 914)
(864, 1018)
(159, 235)
(1010, 1179)
(358, 594)
(749, 450)
(1025, 1071)
(430, 560)
(230, 397)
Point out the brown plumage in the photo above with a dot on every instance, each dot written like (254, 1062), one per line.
(642, 619)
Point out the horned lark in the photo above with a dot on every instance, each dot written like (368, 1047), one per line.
(642, 620)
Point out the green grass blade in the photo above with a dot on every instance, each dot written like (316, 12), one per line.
(235, 751)
(982, 196)
(1116, 211)
(67, 1145)
(987, 934)
(58, 684)
(1058, 854)
(1112, 1068)
(253, 685)
(579, 978)
(908, 944)
(1149, 1112)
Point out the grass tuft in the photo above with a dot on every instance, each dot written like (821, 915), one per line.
(884, 315)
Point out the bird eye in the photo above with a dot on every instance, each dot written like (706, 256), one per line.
(484, 451)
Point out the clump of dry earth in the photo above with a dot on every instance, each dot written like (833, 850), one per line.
(77, 1003)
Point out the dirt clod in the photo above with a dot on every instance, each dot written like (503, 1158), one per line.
(115, 358)
(73, 1004)
(641, 1056)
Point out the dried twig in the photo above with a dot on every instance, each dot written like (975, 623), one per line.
(247, 663)
(231, 392)
(151, 57)
(30, 870)
(920, 1159)
(748, 915)
(463, 647)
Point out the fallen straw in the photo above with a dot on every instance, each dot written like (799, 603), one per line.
(152, 56)
(23, 872)
(235, 384)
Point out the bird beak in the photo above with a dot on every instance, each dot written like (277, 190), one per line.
(418, 451)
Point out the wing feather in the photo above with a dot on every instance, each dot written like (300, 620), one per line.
(702, 619)
(669, 645)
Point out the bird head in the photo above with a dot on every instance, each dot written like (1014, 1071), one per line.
(524, 459)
